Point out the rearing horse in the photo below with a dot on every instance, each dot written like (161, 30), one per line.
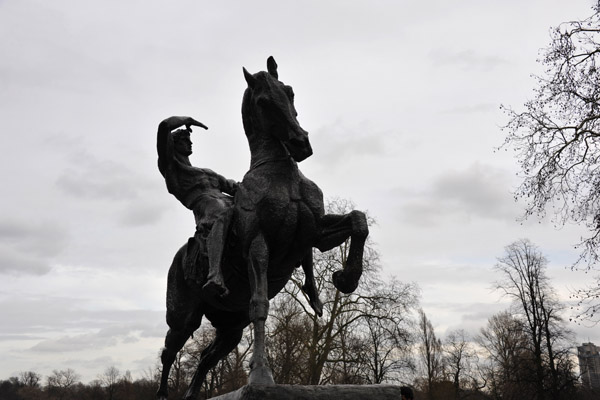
(278, 217)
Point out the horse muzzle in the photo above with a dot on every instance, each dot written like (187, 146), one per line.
(299, 147)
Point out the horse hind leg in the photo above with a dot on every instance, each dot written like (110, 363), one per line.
(184, 316)
(224, 342)
(310, 287)
(338, 228)
(176, 338)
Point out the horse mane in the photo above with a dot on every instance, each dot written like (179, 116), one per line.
(246, 108)
(247, 104)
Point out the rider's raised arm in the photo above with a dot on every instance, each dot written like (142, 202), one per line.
(164, 146)
(164, 139)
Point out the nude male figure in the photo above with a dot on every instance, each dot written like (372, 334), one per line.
(200, 190)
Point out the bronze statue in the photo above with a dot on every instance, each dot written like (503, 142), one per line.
(249, 239)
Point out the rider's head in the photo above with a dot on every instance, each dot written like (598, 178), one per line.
(182, 141)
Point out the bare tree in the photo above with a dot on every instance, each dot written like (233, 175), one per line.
(460, 359)
(508, 363)
(339, 346)
(180, 373)
(361, 338)
(30, 379)
(386, 325)
(524, 280)
(289, 328)
(29, 383)
(557, 141)
(61, 383)
(229, 374)
(430, 351)
(110, 378)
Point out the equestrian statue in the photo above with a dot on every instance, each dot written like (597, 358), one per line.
(250, 236)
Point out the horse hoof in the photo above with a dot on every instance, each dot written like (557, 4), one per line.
(317, 305)
(314, 300)
(341, 282)
(161, 395)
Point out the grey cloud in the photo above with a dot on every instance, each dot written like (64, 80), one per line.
(474, 315)
(154, 331)
(130, 339)
(141, 214)
(49, 56)
(145, 361)
(344, 142)
(132, 331)
(481, 311)
(466, 59)
(27, 247)
(24, 316)
(472, 109)
(98, 175)
(453, 274)
(95, 179)
(43, 315)
(107, 337)
(62, 141)
(74, 343)
(45, 238)
(95, 364)
(479, 191)
(4, 337)
(92, 179)
(15, 263)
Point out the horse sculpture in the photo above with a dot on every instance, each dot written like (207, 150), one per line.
(277, 217)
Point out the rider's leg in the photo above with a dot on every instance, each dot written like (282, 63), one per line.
(215, 243)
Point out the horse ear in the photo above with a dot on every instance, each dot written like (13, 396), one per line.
(272, 67)
(249, 78)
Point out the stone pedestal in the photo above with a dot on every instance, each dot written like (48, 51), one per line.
(299, 392)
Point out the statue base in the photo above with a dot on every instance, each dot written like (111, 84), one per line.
(313, 392)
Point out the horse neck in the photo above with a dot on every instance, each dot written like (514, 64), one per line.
(263, 146)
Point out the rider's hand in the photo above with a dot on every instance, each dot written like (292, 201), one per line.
(175, 122)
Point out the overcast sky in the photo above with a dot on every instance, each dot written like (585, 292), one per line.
(401, 99)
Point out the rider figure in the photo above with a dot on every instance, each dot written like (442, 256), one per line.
(199, 189)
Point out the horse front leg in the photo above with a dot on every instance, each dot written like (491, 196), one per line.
(336, 229)
(258, 264)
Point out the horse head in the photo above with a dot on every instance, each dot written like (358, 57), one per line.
(268, 112)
